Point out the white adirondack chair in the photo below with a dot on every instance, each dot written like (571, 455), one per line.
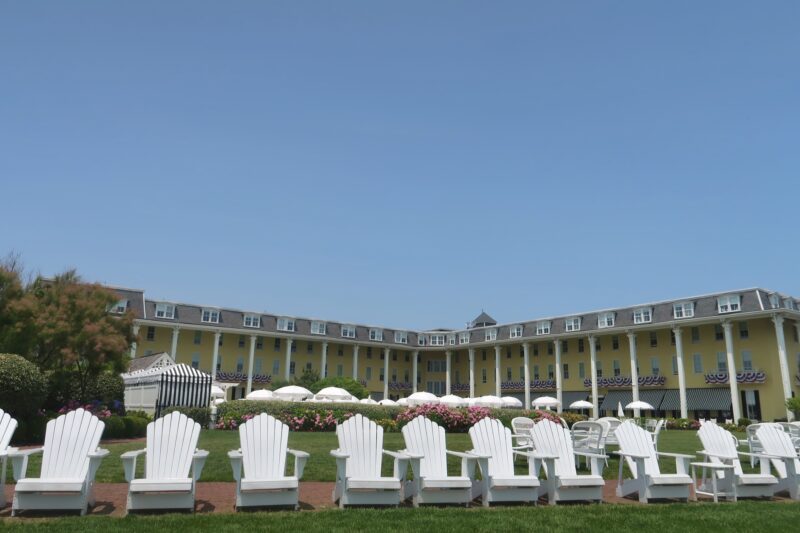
(7, 427)
(778, 445)
(70, 459)
(554, 443)
(521, 426)
(358, 466)
(427, 448)
(656, 432)
(636, 446)
(170, 453)
(720, 447)
(264, 444)
(492, 443)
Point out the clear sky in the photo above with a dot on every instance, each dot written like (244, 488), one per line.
(406, 163)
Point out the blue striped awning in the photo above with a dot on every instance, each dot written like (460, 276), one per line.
(697, 399)
(615, 397)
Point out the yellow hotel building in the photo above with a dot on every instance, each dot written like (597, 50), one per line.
(677, 355)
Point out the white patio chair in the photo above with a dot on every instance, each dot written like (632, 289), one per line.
(636, 446)
(492, 443)
(753, 443)
(778, 446)
(427, 448)
(264, 442)
(613, 424)
(521, 425)
(173, 465)
(358, 466)
(553, 444)
(7, 427)
(70, 459)
(720, 447)
(793, 430)
(589, 438)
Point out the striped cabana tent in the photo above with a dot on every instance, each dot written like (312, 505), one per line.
(153, 390)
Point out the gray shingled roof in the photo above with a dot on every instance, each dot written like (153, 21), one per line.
(483, 319)
(141, 363)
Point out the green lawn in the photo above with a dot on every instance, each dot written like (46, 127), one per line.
(321, 466)
(663, 518)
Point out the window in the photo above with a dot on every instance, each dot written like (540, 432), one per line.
(597, 345)
(308, 366)
(615, 342)
(653, 339)
(286, 324)
(605, 320)
(509, 376)
(722, 362)
(774, 301)
(463, 337)
(401, 337)
(550, 374)
(407, 358)
(491, 334)
(120, 307)
(259, 343)
(543, 328)
(241, 341)
(535, 371)
(683, 310)
(340, 351)
(368, 375)
(697, 363)
(672, 337)
(747, 361)
(451, 339)
(375, 334)
(221, 336)
(349, 332)
(294, 346)
(198, 337)
(719, 334)
(421, 340)
(151, 333)
(536, 348)
(437, 365)
(258, 366)
(580, 346)
(252, 321)
(210, 316)
(310, 347)
(566, 371)
(318, 327)
(695, 335)
(615, 367)
(483, 355)
(165, 310)
(437, 340)
(674, 365)
(522, 373)
(744, 333)
(564, 346)
(508, 353)
(643, 315)
(340, 371)
(219, 363)
(394, 355)
(729, 304)
(276, 367)
(277, 345)
(790, 304)
(240, 364)
(483, 375)
(195, 360)
(458, 377)
(581, 370)
(550, 348)
(292, 368)
(599, 369)
(516, 332)
(655, 366)
(573, 324)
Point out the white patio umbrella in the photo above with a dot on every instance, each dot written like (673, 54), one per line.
(451, 400)
(489, 401)
(545, 401)
(620, 411)
(388, 402)
(581, 404)
(402, 402)
(640, 405)
(218, 401)
(260, 394)
(510, 401)
(217, 392)
(422, 398)
(333, 393)
(293, 393)
(368, 401)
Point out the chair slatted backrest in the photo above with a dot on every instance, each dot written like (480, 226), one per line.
(777, 442)
(362, 440)
(7, 427)
(589, 435)
(264, 440)
(718, 441)
(550, 438)
(490, 437)
(171, 442)
(68, 441)
(521, 424)
(427, 438)
(635, 440)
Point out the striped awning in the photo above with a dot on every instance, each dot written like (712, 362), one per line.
(570, 396)
(615, 397)
(711, 399)
(671, 401)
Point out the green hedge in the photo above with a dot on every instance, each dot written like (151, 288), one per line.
(201, 415)
(125, 427)
(23, 388)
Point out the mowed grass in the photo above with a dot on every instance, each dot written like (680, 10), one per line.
(744, 516)
(322, 467)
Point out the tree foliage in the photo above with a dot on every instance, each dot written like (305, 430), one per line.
(22, 387)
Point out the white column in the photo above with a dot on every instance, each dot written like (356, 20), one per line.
(497, 351)
(134, 344)
(448, 357)
(414, 363)
(472, 372)
(174, 350)
(786, 379)
(355, 362)
(527, 369)
(681, 372)
(215, 357)
(593, 369)
(634, 371)
(386, 354)
(735, 403)
(286, 375)
(324, 370)
(250, 365)
(559, 384)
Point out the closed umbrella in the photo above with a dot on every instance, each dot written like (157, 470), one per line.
(368, 401)
(422, 398)
(260, 394)
(293, 393)
(620, 412)
(581, 404)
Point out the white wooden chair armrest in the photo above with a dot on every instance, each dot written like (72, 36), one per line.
(129, 463)
(341, 465)
(340, 455)
(8, 452)
(19, 461)
(682, 461)
(198, 461)
(590, 455)
(236, 464)
(300, 459)
(463, 455)
(531, 454)
(95, 458)
(717, 456)
(631, 455)
(468, 462)
(767, 456)
(401, 461)
(676, 455)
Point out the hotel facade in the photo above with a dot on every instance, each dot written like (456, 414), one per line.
(729, 355)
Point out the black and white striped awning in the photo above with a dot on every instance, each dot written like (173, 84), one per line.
(711, 399)
(570, 396)
(183, 386)
(616, 397)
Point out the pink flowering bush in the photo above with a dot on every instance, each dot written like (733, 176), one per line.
(96, 408)
(454, 420)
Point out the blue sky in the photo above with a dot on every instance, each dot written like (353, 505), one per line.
(405, 163)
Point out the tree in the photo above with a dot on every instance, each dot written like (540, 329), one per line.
(307, 378)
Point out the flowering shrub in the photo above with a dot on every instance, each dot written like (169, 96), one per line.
(95, 407)
(454, 420)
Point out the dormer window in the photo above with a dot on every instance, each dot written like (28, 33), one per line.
(349, 332)
(210, 315)
(683, 310)
(774, 301)
(375, 334)
(437, 339)
(164, 310)
(606, 320)
(729, 304)
(401, 337)
(451, 339)
(515, 332)
(421, 340)
(318, 327)
(252, 321)
(286, 324)
(491, 334)
(788, 303)
(119, 308)
(543, 328)
(573, 324)
(463, 337)
(643, 315)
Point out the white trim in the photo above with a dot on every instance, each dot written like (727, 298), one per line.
(255, 321)
(729, 303)
(686, 310)
(543, 327)
(606, 319)
(167, 310)
(376, 334)
(643, 315)
(572, 324)
(515, 332)
(209, 315)
(401, 337)
(348, 331)
(318, 327)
